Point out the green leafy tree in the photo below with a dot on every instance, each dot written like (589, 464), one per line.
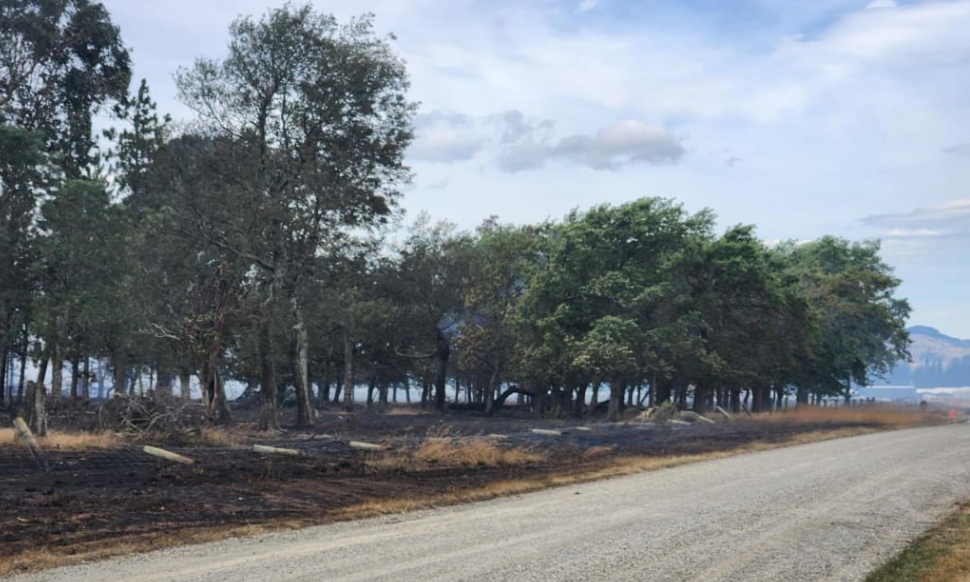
(319, 112)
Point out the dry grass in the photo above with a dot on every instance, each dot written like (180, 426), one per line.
(447, 451)
(940, 555)
(471, 452)
(609, 467)
(603, 467)
(882, 416)
(72, 441)
(219, 437)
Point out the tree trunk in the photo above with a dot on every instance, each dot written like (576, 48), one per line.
(185, 385)
(735, 400)
(382, 396)
(42, 370)
(492, 388)
(425, 392)
(301, 362)
(801, 395)
(594, 398)
(21, 378)
(223, 412)
(120, 366)
(75, 374)
(443, 353)
(57, 382)
(268, 417)
(663, 392)
(36, 409)
(580, 401)
(165, 382)
(348, 372)
(323, 394)
(86, 381)
(757, 400)
(4, 354)
(371, 386)
(616, 398)
(700, 399)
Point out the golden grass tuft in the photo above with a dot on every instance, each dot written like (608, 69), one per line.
(883, 416)
(471, 452)
(72, 441)
(453, 452)
(219, 437)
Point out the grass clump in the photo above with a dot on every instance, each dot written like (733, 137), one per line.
(882, 416)
(940, 555)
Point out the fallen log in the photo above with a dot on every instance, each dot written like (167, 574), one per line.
(726, 414)
(167, 455)
(365, 446)
(547, 432)
(268, 450)
(692, 416)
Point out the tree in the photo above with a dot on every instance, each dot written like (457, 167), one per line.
(859, 324)
(504, 259)
(319, 112)
(22, 176)
(60, 60)
(432, 265)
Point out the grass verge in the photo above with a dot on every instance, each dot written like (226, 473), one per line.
(940, 555)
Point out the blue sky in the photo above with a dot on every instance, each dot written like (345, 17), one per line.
(804, 118)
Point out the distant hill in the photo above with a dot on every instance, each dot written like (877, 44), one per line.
(939, 361)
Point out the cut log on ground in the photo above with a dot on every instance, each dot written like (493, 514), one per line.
(167, 455)
(547, 432)
(23, 431)
(366, 446)
(691, 416)
(268, 450)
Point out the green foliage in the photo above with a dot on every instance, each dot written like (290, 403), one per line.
(252, 245)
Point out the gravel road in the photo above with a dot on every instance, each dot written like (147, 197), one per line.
(823, 511)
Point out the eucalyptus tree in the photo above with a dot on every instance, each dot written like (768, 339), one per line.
(80, 263)
(23, 173)
(60, 62)
(319, 112)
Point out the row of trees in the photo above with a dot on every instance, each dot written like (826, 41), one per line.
(256, 243)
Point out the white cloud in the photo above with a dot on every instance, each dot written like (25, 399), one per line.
(444, 136)
(949, 217)
(444, 145)
(913, 232)
(876, 4)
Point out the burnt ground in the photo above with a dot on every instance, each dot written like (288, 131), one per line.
(121, 497)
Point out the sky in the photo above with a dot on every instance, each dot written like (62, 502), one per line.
(841, 117)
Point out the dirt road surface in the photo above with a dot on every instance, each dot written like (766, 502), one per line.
(825, 511)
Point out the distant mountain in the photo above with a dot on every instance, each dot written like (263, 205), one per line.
(939, 361)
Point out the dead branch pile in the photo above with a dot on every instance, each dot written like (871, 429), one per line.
(157, 414)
